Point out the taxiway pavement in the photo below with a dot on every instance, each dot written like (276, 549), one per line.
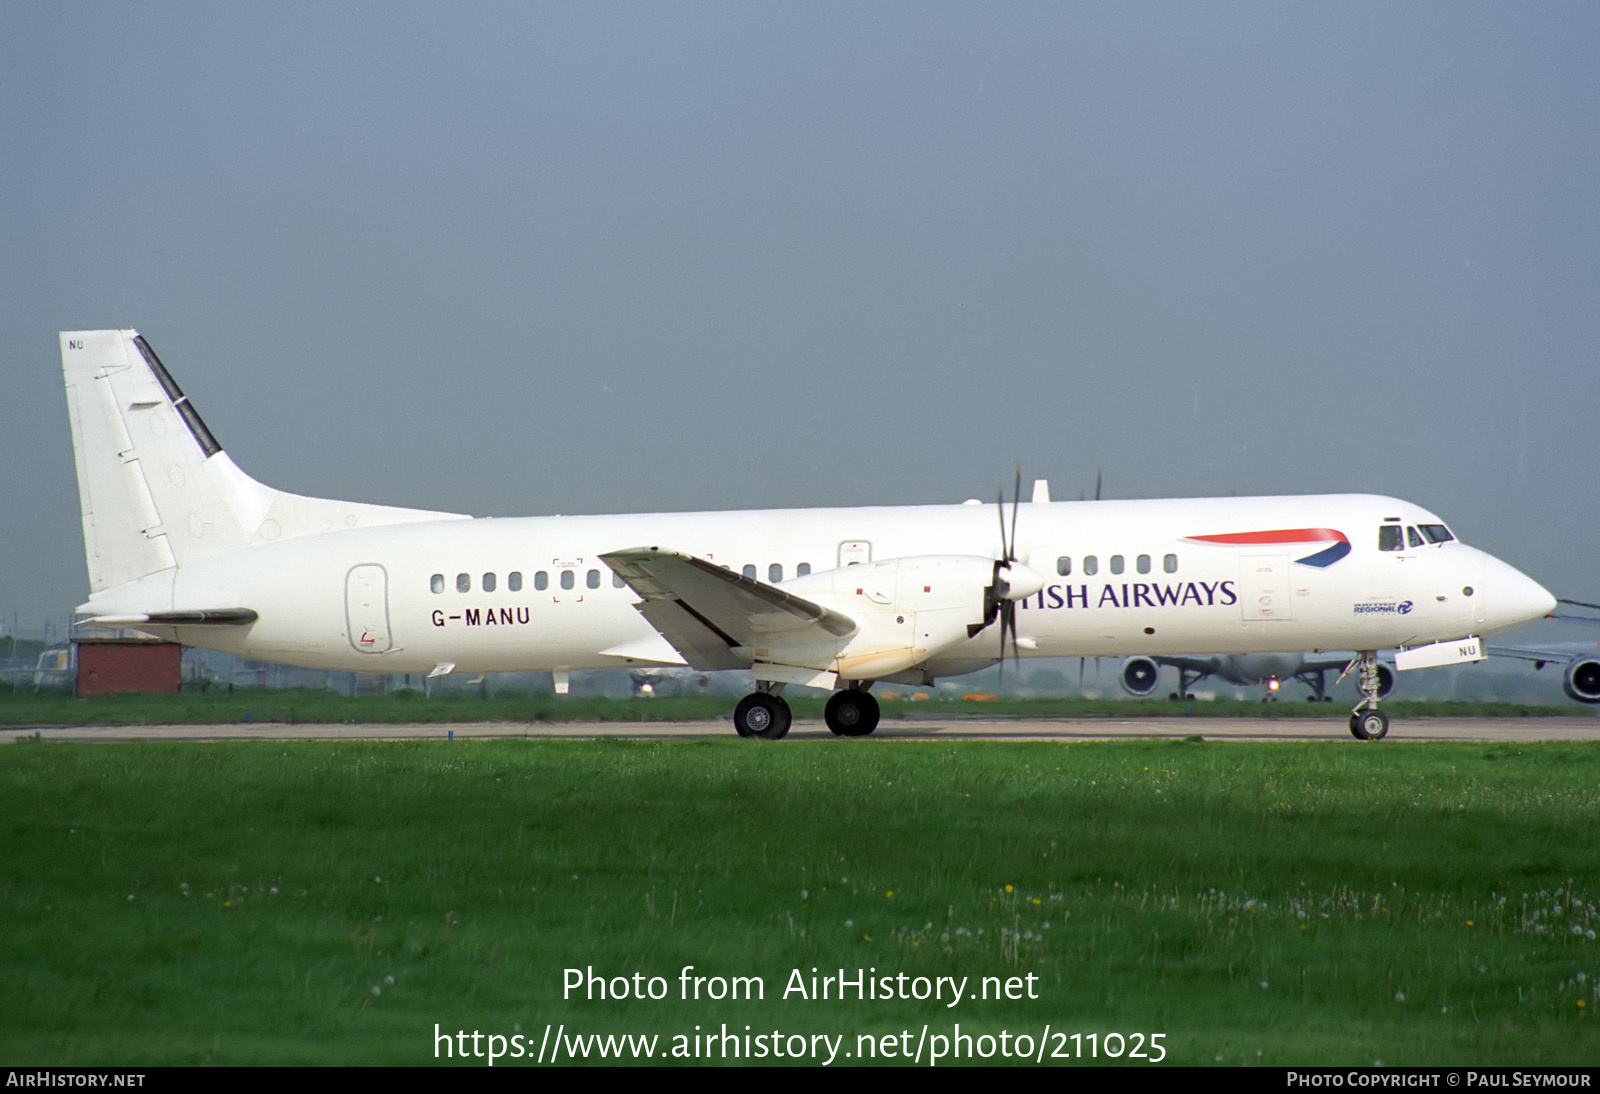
(897, 729)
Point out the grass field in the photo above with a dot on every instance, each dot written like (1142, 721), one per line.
(1254, 903)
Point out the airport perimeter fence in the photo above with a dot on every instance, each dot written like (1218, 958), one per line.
(43, 658)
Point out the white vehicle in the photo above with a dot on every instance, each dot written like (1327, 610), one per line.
(182, 544)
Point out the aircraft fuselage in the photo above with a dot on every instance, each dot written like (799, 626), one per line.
(364, 599)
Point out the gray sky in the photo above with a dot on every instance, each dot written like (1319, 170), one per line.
(533, 258)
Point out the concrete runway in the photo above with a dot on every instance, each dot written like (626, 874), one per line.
(1521, 730)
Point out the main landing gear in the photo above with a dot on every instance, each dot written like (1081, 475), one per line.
(851, 712)
(1367, 722)
(763, 713)
(1186, 680)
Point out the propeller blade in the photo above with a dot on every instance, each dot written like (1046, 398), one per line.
(1016, 498)
(1009, 581)
(1000, 512)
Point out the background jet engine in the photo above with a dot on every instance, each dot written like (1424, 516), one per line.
(1582, 681)
(1140, 676)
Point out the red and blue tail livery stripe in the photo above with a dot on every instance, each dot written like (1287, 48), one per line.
(1339, 544)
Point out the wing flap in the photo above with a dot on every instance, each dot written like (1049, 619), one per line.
(701, 645)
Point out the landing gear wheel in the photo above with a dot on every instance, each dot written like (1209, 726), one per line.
(851, 713)
(761, 715)
(1367, 722)
(1369, 725)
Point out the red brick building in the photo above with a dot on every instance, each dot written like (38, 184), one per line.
(111, 666)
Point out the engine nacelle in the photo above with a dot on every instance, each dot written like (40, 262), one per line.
(1582, 680)
(905, 611)
(1140, 675)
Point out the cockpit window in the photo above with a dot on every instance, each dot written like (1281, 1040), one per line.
(1413, 536)
(1437, 533)
(1391, 538)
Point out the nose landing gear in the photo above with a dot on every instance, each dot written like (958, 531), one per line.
(1367, 722)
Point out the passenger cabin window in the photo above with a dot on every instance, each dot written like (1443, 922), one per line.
(1391, 538)
(749, 570)
(775, 572)
(1413, 536)
(463, 583)
(436, 583)
(1169, 563)
(1091, 565)
(541, 580)
(1064, 566)
(1142, 564)
(1116, 564)
(616, 580)
(1436, 533)
(802, 570)
(592, 579)
(568, 579)
(488, 583)
(514, 581)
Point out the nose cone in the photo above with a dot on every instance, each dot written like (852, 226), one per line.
(1511, 597)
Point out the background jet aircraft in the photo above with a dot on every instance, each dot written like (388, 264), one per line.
(1140, 676)
(1580, 676)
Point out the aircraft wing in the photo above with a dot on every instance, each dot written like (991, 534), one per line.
(1565, 615)
(1204, 666)
(709, 614)
(1338, 664)
(1546, 655)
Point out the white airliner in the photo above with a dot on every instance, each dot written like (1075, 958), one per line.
(182, 544)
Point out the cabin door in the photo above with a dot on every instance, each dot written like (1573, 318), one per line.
(366, 608)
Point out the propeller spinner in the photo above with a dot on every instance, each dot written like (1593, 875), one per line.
(1013, 580)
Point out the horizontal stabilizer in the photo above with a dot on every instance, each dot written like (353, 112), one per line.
(215, 617)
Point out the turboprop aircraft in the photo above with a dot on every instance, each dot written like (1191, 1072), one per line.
(184, 545)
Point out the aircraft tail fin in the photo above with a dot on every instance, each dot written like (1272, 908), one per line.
(155, 486)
